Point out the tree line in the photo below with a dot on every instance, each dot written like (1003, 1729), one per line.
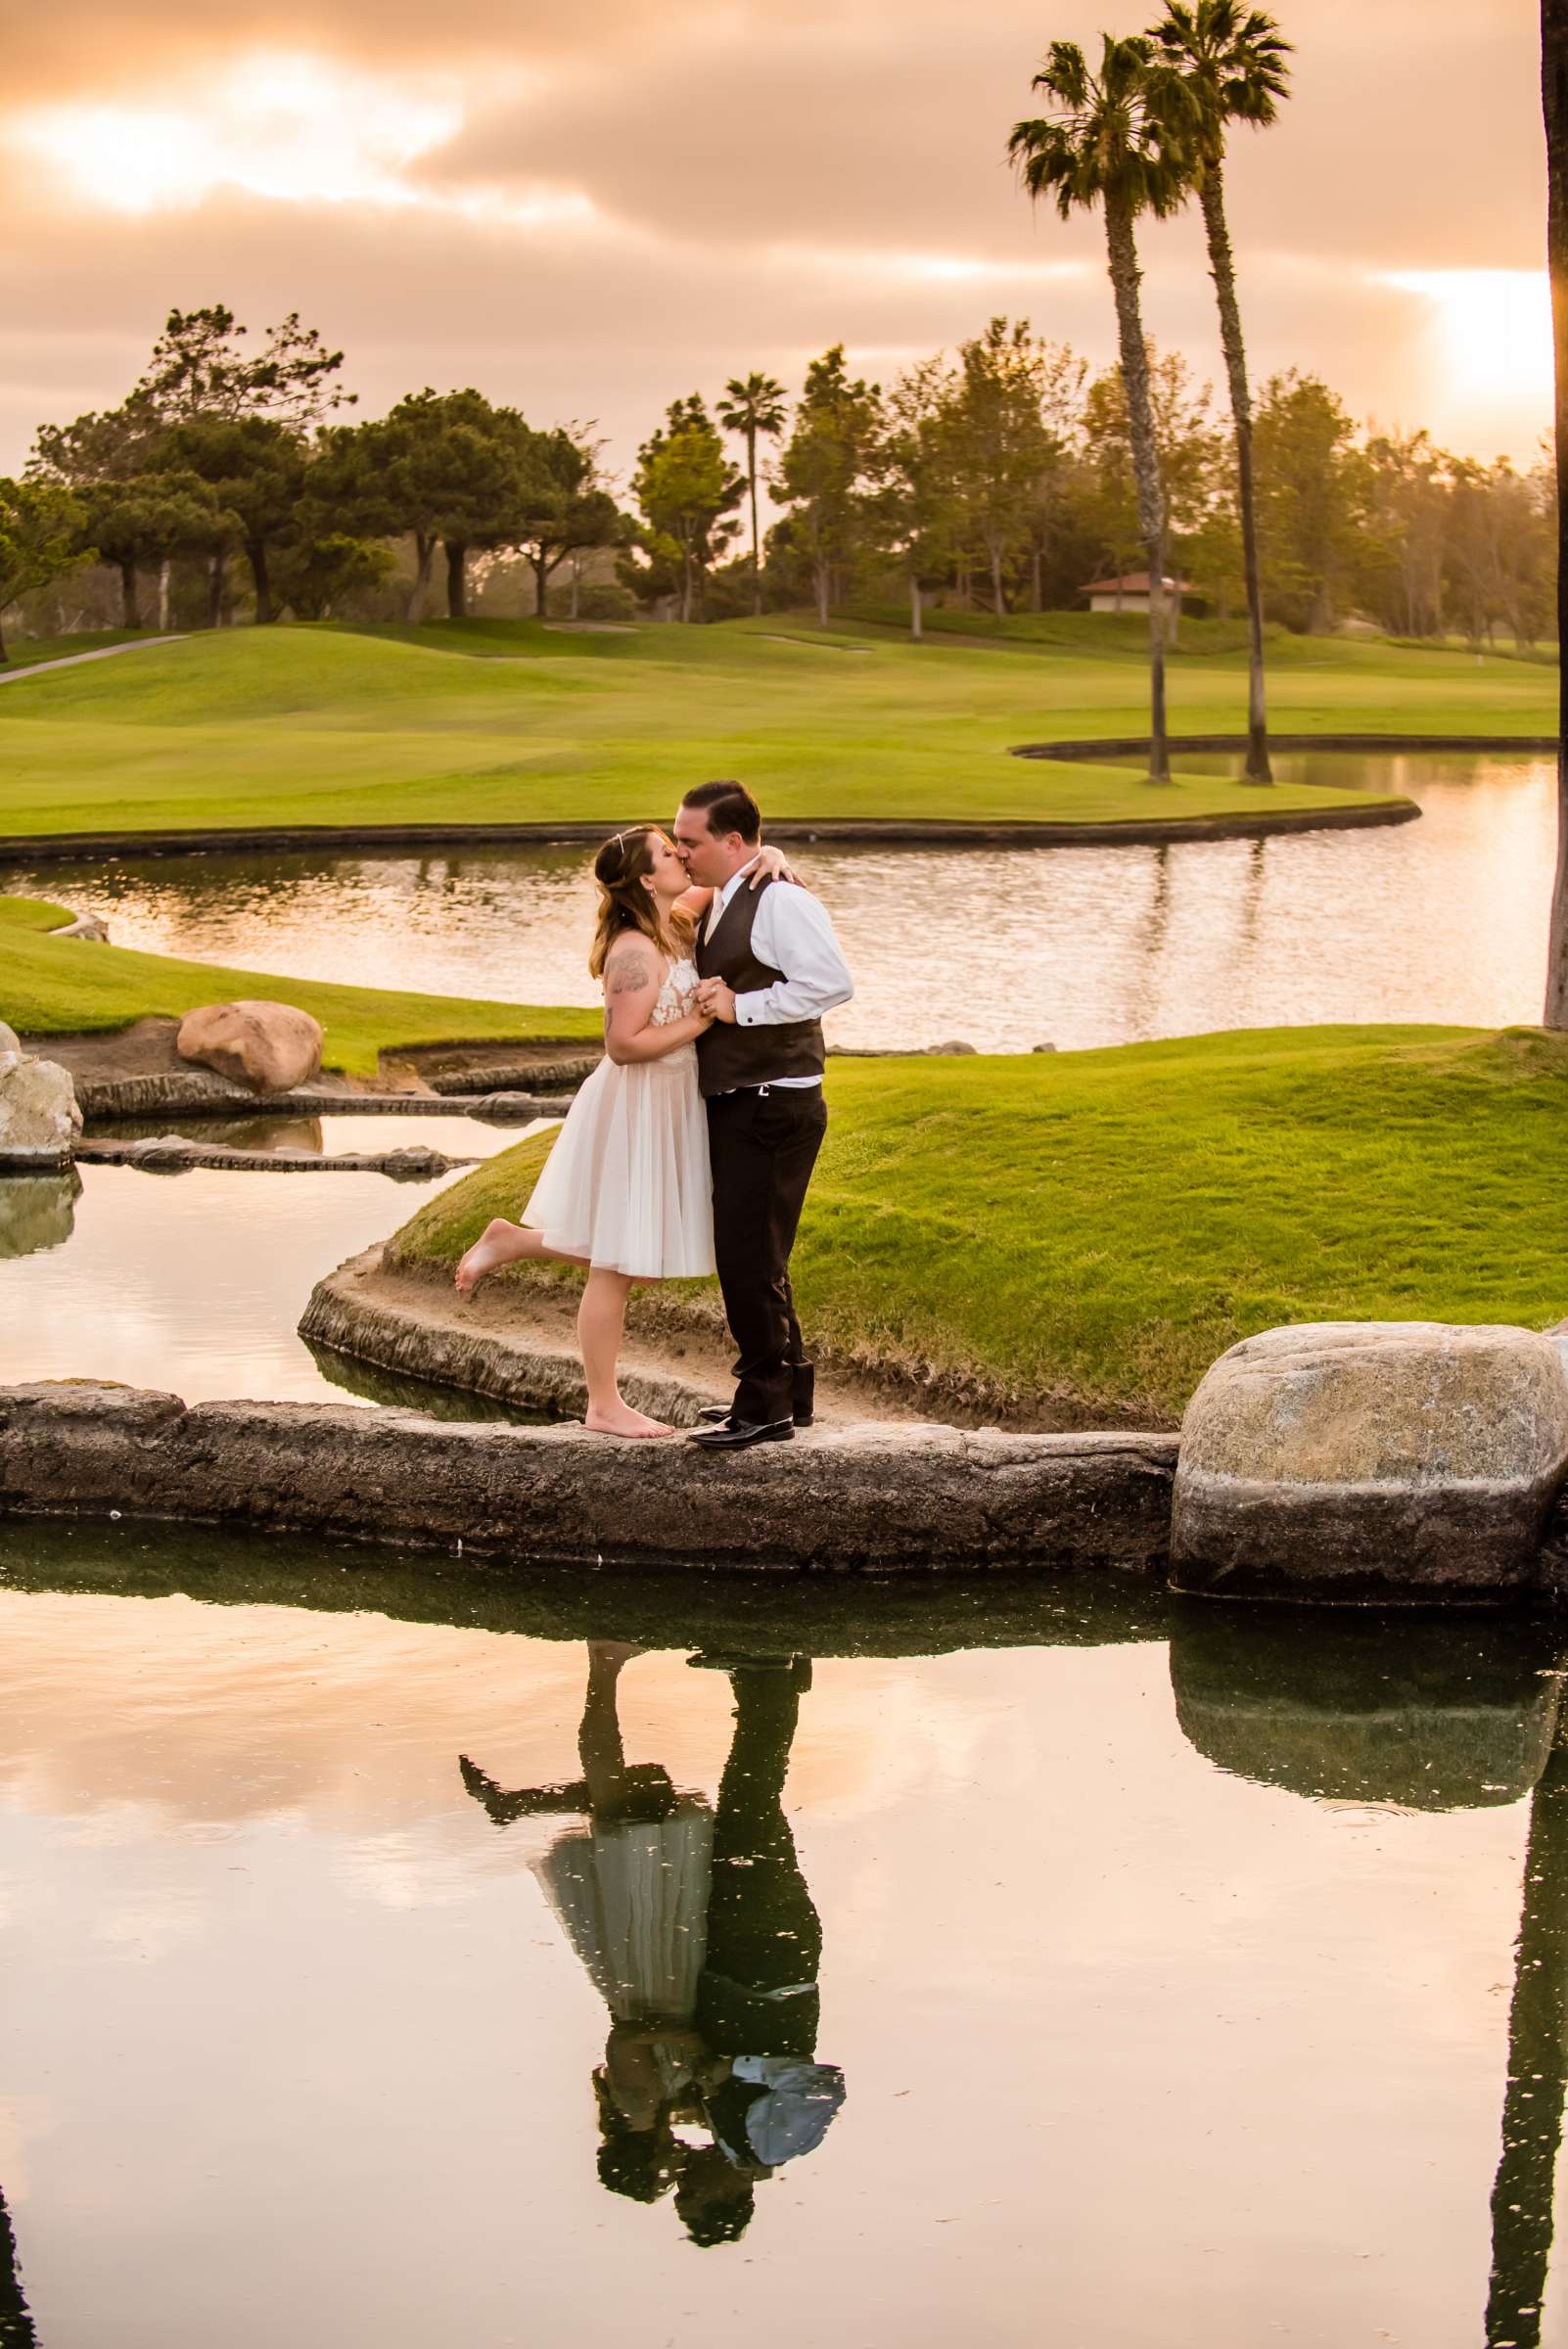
(999, 476)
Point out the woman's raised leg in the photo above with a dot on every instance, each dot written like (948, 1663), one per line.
(601, 1325)
(500, 1243)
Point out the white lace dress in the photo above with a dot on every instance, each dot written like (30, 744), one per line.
(627, 1183)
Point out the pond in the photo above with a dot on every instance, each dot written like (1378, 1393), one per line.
(194, 1283)
(540, 1959)
(1440, 920)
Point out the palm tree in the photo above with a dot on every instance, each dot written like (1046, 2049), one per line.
(1232, 64)
(1554, 94)
(752, 403)
(1115, 139)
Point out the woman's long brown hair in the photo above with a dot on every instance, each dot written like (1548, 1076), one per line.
(619, 869)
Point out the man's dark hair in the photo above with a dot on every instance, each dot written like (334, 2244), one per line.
(729, 808)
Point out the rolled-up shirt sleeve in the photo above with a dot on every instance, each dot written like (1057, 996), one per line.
(793, 932)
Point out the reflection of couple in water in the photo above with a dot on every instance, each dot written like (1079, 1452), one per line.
(699, 1931)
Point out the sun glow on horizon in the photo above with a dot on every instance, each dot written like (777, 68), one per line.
(1491, 330)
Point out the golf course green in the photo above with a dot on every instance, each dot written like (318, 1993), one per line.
(508, 722)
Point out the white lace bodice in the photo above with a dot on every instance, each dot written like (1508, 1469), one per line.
(677, 997)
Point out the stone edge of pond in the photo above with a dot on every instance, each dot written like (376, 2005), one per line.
(861, 1498)
(868, 832)
(418, 1333)
(1136, 745)
(405, 1319)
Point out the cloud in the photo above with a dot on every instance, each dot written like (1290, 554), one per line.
(591, 211)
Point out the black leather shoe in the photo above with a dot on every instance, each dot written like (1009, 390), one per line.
(719, 1414)
(732, 1434)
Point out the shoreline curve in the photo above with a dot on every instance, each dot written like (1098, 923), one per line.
(66, 848)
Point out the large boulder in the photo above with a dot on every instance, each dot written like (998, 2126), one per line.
(270, 1047)
(39, 1120)
(9, 1043)
(1371, 1459)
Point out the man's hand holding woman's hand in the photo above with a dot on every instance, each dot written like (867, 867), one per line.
(716, 1000)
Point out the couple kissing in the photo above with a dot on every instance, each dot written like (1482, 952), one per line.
(690, 1148)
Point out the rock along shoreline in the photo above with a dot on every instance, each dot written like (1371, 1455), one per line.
(844, 1500)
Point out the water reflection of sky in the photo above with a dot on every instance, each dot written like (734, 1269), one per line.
(1136, 2051)
(195, 1282)
(1443, 920)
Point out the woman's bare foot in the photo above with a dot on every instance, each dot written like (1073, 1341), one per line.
(619, 1419)
(489, 1250)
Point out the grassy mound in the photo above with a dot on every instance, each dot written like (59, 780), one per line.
(69, 986)
(1100, 1226)
(508, 722)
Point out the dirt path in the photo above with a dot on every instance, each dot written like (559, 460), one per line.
(104, 652)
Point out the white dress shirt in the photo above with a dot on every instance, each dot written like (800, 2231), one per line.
(792, 932)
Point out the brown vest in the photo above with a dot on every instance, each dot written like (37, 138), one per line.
(731, 1056)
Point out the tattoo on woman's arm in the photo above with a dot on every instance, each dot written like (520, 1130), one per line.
(630, 974)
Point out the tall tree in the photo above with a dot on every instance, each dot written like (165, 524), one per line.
(1403, 572)
(145, 520)
(752, 405)
(256, 470)
(1232, 64)
(1192, 475)
(40, 538)
(687, 491)
(1555, 95)
(107, 458)
(825, 473)
(1115, 139)
(198, 368)
(565, 511)
(1312, 486)
(1001, 445)
(917, 504)
(446, 467)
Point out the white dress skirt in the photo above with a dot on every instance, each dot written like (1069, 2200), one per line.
(633, 1900)
(628, 1185)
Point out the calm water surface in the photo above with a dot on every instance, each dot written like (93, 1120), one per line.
(1441, 920)
(195, 1282)
(452, 1971)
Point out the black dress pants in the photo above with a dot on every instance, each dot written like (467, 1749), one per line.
(763, 1144)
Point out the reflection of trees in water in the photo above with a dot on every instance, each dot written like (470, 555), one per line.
(1522, 2197)
(701, 1937)
(1439, 1715)
(1252, 895)
(15, 2324)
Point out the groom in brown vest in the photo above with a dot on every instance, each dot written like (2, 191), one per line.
(770, 966)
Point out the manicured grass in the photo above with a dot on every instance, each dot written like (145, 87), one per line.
(64, 986)
(1102, 1224)
(27, 652)
(507, 722)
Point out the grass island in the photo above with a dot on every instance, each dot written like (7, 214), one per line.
(1091, 1229)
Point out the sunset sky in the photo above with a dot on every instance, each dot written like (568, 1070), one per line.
(587, 212)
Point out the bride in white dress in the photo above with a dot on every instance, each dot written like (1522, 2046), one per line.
(627, 1188)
